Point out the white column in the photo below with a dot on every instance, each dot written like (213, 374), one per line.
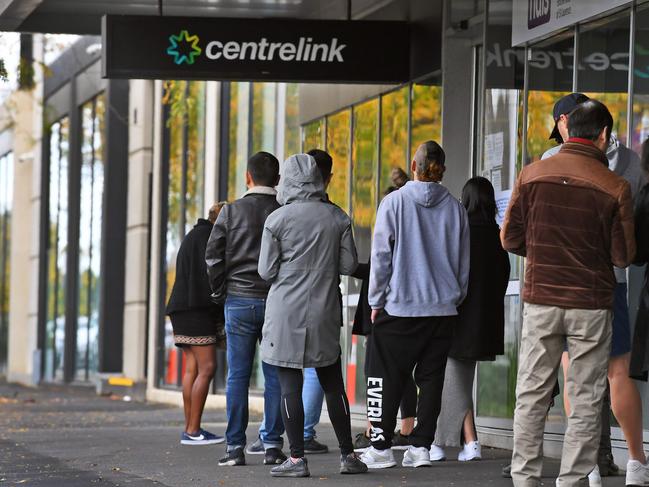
(137, 231)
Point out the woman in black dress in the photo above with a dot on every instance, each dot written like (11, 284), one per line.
(198, 327)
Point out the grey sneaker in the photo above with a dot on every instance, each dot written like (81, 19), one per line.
(257, 448)
(274, 456)
(507, 471)
(351, 464)
(313, 446)
(400, 442)
(234, 458)
(291, 469)
(361, 442)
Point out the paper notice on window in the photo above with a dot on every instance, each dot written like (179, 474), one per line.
(497, 178)
(502, 202)
(494, 149)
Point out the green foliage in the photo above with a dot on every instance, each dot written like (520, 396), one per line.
(4, 75)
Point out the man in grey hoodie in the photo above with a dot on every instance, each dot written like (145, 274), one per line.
(419, 276)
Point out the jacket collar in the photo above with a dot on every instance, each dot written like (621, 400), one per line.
(267, 190)
(584, 147)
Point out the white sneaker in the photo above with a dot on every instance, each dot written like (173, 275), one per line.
(436, 454)
(416, 457)
(471, 451)
(594, 478)
(637, 473)
(374, 458)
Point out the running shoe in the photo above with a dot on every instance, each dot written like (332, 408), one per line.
(289, 468)
(352, 464)
(400, 442)
(313, 446)
(202, 438)
(274, 456)
(233, 458)
(361, 442)
(416, 457)
(374, 458)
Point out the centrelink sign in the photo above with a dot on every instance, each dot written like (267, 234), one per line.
(255, 49)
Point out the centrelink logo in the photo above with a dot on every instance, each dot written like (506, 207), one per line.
(184, 48)
(538, 13)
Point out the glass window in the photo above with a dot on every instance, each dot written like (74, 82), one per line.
(6, 203)
(57, 249)
(604, 67)
(313, 135)
(90, 218)
(186, 138)
(291, 121)
(338, 146)
(238, 134)
(264, 115)
(394, 135)
(426, 114)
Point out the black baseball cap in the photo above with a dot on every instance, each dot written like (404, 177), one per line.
(564, 106)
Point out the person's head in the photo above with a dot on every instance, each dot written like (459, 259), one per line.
(645, 157)
(325, 164)
(428, 163)
(399, 177)
(592, 121)
(479, 199)
(214, 211)
(562, 109)
(263, 170)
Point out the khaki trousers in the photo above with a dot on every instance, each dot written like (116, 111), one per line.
(545, 330)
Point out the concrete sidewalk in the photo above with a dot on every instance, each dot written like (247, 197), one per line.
(67, 436)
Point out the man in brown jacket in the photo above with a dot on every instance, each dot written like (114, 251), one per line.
(573, 220)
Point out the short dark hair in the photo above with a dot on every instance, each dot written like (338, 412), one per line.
(478, 198)
(264, 168)
(324, 162)
(588, 119)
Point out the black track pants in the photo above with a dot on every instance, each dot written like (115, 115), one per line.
(400, 345)
(331, 380)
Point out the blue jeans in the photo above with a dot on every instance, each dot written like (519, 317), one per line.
(244, 318)
(312, 397)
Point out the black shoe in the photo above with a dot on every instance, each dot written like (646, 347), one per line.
(607, 466)
(400, 442)
(274, 456)
(233, 458)
(290, 469)
(507, 471)
(312, 446)
(257, 448)
(351, 464)
(361, 442)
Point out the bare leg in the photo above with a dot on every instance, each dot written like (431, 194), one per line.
(205, 360)
(407, 425)
(626, 404)
(188, 382)
(565, 362)
(468, 428)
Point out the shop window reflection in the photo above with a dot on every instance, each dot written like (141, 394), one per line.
(238, 139)
(338, 146)
(291, 120)
(394, 135)
(264, 110)
(313, 135)
(426, 114)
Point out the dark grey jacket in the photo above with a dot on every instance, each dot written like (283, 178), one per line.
(306, 245)
(233, 248)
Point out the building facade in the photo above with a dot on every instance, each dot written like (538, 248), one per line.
(116, 172)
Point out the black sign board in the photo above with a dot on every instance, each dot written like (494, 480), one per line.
(210, 48)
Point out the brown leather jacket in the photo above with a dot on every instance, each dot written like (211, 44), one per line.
(573, 219)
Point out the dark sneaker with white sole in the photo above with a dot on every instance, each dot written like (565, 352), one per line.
(234, 458)
(313, 446)
(257, 448)
(201, 438)
(361, 442)
(274, 456)
(289, 468)
(352, 464)
(400, 442)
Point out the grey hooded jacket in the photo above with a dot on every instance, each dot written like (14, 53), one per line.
(306, 245)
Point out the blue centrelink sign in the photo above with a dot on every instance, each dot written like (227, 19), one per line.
(255, 49)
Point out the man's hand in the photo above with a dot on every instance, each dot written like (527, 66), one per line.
(375, 314)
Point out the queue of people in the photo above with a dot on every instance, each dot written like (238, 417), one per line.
(267, 271)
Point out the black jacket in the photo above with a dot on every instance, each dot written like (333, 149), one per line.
(480, 330)
(639, 367)
(191, 288)
(232, 252)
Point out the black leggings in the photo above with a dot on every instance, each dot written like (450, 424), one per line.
(331, 380)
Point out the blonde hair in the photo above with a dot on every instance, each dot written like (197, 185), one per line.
(214, 210)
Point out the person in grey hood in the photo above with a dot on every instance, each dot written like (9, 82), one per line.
(419, 275)
(306, 245)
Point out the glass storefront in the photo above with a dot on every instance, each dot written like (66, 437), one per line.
(6, 204)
